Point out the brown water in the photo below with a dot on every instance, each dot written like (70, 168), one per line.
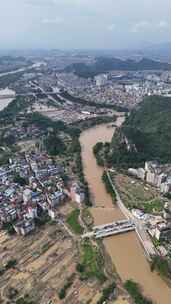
(125, 250)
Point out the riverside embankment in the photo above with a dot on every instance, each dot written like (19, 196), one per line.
(125, 250)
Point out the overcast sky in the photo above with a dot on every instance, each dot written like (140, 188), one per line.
(84, 23)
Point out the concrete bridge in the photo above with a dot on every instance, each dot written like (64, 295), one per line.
(110, 229)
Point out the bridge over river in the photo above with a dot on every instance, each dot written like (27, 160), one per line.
(113, 228)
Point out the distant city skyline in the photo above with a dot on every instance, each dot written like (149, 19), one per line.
(83, 24)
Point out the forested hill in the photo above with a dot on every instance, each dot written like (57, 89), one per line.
(146, 133)
(103, 64)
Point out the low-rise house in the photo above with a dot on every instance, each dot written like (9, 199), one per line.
(167, 211)
(7, 214)
(27, 194)
(55, 198)
(165, 187)
(32, 211)
(77, 193)
(25, 226)
(52, 212)
(25, 203)
(163, 231)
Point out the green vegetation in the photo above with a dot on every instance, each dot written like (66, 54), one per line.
(44, 122)
(20, 180)
(87, 217)
(73, 221)
(68, 284)
(54, 145)
(92, 103)
(97, 149)
(19, 104)
(161, 266)
(108, 186)
(8, 227)
(94, 121)
(91, 262)
(136, 195)
(168, 195)
(4, 158)
(148, 131)
(134, 291)
(12, 293)
(156, 242)
(101, 151)
(154, 206)
(2, 271)
(10, 264)
(76, 151)
(24, 300)
(7, 80)
(107, 293)
(105, 64)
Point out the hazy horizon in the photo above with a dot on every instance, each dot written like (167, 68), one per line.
(83, 24)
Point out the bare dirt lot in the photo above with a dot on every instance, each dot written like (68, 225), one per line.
(44, 262)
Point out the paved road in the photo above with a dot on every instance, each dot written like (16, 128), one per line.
(140, 228)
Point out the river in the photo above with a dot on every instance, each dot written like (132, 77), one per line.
(5, 101)
(125, 250)
(32, 66)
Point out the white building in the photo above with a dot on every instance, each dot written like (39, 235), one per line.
(139, 173)
(77, 194)
(55, 198)
(101, 80)
(27, 193)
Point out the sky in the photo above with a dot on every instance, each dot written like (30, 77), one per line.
(84, 24)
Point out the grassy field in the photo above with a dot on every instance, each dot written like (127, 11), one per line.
(155, 206)
(91, 262)
(135, 194)
(73, 221)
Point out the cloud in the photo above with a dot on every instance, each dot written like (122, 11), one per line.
(140, 26)
(111, 27)
(56, 20)
(39, 2)
(144, 26)
(163, 24)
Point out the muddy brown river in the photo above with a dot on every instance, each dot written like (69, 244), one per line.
(125, 250)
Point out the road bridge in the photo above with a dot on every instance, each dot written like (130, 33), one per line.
(110, 229)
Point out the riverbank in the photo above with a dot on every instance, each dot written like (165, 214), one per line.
(129, 266)
(5, 102)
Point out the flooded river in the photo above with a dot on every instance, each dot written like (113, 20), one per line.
(125, 250)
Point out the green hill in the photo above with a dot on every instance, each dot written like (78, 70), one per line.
(105, 64)
(146, 133)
